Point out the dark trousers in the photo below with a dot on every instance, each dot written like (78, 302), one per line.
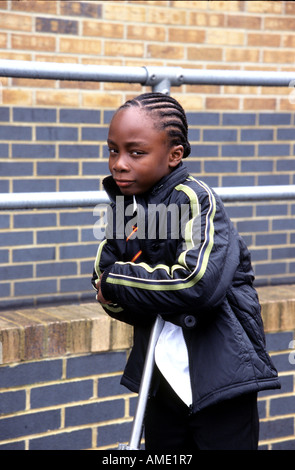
(229, 425)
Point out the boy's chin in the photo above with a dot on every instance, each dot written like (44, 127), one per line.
(127, 191)
(131, 190)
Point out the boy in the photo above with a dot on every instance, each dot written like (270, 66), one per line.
(210, 358)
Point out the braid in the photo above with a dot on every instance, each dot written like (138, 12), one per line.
(169, 114)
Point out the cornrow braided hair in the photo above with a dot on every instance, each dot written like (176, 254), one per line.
(169, 116)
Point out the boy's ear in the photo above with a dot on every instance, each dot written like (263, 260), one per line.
(176, 154)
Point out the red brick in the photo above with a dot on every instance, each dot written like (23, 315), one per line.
(57, 98)
(155, 3)
(80, 46)
(245, 22)
(165, 50)
(56, 58)
(17, 96)
(123, 87)
(101, 29)
(252, 104)
(34, 336)
(10, 338)
(280, 24)
(181, 35)
(278, 56)
(3, 40)
(190, 4)
(101, 61)
(286, 105)
(123, 49)
(288, 40)
(266, 7)
(11, 55)
(33, 83)
(31, 332)
(203, 89)
(88, 9)
(170, 16)
(225, 37)
(262, 39)
(33, 42)
(204, 53)
(15, 22)
(190, 101)
(276, 91)
(104, 100)
(229, 5)
(242, 55)
(122, 12)
(40, 6)
(206, 19)
(240, 90)
(290, 8)
(222, 103)
(57, 26)
(146, 32)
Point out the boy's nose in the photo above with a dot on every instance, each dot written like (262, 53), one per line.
(120, 163)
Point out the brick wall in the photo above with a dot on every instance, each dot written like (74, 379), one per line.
(60, 377)
(233, 35)
(52, 138)
(44, 408)
(52, 133)
(276, 409)
(86, 408)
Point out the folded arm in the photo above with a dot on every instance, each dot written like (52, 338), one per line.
(198, 279)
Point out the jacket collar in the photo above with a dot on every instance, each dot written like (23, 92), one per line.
(177, 176)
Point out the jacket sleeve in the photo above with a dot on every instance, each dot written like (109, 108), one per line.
(108, 253)
(203, 269)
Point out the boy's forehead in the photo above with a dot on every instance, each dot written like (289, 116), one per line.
(132, 111)
(131, 118)
(135, 125)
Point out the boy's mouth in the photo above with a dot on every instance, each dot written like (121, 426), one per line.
(124, 183)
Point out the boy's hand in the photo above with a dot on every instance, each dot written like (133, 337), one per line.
(99, 297)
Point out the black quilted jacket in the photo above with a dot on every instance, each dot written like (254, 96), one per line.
(195, 271)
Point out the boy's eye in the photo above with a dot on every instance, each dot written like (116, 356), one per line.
(132, 153)
(136, 153)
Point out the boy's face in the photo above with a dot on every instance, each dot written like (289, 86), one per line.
(139, 154)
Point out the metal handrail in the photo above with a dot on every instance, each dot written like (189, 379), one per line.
(159, 78)
(51, 200)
